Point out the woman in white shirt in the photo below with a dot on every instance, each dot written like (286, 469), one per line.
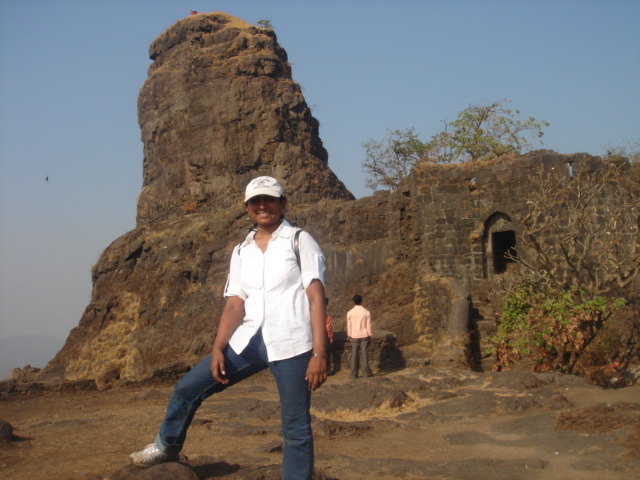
(274, 317)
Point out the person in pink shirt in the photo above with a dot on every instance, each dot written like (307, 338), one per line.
(359, 331)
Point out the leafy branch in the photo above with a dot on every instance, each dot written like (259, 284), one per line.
(480, 132)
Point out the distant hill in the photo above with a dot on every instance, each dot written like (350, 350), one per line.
(34, 350)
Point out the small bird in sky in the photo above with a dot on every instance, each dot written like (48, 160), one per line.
(47, 178)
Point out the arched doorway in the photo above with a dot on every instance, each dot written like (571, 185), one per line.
(498, 244)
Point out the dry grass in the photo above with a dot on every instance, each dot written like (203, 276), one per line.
(111, 344)
(385, 410)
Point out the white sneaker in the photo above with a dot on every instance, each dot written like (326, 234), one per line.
(148, 456)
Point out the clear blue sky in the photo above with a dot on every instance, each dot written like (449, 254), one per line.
(70, 72)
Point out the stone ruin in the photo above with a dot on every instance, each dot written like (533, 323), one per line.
(219, 107)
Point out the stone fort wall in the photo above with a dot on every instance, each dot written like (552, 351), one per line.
(428, 258)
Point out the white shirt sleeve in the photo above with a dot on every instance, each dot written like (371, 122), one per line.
(312, 261)
(234, 287)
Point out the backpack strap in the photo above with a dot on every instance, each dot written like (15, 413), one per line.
(296, 245)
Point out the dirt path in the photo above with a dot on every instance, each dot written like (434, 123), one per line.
(444, 432)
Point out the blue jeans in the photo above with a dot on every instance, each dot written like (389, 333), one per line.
(295, 400)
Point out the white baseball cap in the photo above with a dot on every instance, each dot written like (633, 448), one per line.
(263, 186)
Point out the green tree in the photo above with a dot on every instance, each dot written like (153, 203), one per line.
(390, 160)
(265, 24)
(480, 132)
(483, 132)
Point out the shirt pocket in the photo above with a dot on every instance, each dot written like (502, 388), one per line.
(282, 271)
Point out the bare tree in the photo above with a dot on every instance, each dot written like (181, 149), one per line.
(583, 230)
(579, 259)
(390, 160)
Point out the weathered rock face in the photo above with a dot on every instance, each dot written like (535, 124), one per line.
(219, 105)
(218, 109)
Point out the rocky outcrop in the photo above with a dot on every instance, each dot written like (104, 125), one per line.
(6, 431)
(218, 106)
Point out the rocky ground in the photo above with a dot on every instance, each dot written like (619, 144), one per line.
(420, 422)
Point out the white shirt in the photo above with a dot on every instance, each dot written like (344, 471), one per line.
(273, 289)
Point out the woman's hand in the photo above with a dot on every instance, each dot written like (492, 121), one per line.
(217, 366)
(229, 320)
(316, 371)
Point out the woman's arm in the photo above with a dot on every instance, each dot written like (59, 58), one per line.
(317, 369)
(230, 319)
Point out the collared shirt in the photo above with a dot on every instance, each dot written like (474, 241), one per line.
(359, 322)
(273, 289)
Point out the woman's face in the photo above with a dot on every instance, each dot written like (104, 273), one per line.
(266, 211)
